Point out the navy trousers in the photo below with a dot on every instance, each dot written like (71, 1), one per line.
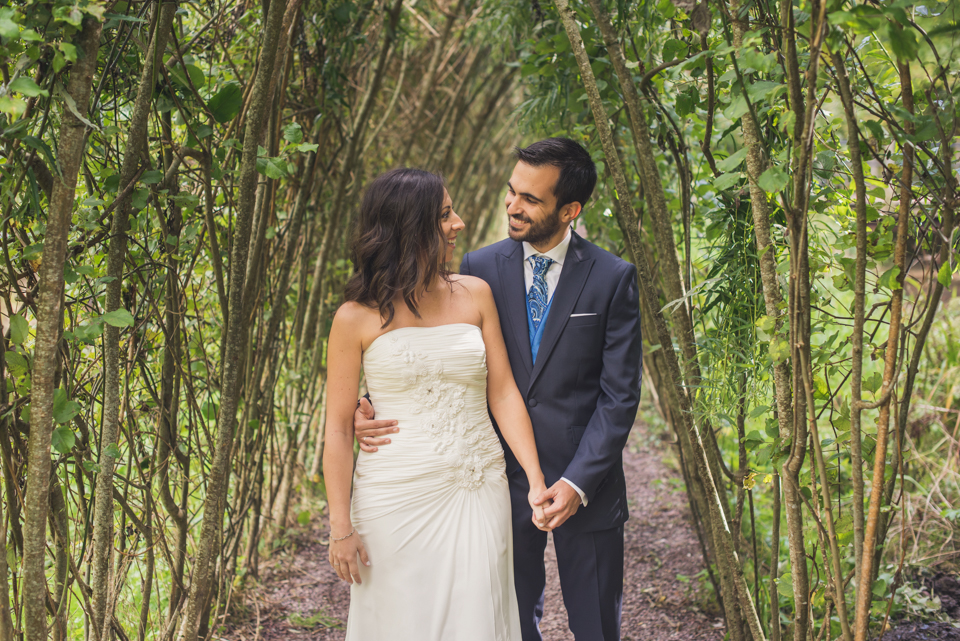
(591, 574)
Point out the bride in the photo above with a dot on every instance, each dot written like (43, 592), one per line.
(426, 541)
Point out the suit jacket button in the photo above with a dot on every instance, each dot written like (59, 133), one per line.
(532, 402)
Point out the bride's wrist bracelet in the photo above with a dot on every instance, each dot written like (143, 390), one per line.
(342, 538)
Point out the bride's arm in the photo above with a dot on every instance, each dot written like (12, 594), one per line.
(506, 403)
(344, 352)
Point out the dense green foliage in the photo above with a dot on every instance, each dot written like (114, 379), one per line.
(773, 166)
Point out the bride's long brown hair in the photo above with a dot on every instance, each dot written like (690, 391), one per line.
(398, 246)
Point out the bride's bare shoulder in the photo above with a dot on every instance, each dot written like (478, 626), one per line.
(356, 317)
(473, 285)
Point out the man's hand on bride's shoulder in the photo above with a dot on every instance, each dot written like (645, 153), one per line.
(371, 433)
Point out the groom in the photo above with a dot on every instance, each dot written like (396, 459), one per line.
(571, 322)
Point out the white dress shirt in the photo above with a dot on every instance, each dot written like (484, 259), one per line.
(557, 254)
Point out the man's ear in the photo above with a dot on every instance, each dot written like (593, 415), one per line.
(570, 211)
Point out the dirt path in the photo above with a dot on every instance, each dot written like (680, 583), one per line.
(300, 597)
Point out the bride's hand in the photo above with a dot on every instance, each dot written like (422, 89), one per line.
(343, 557)
(538, 518)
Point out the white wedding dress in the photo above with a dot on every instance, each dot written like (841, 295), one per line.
(433, 507)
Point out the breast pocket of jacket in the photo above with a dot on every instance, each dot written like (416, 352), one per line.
(583, 320)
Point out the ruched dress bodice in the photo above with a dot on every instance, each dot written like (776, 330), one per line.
(433, 507)
(433, 381)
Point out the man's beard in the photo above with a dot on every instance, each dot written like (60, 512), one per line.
(538, 232)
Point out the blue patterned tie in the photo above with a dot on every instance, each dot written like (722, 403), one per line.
(537, 296)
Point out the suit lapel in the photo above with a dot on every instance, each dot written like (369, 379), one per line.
(510, 268)
(576, 268)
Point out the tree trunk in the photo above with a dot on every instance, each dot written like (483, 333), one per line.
(6, 623)
(136, 144)
(735, 591)
(203, 570)
(773, 304)
(656, 202)
(73, 133)
(859, 303)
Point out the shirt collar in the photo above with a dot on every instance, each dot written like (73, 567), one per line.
(557, 254)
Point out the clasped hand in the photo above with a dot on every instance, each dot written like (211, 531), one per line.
(558, 503)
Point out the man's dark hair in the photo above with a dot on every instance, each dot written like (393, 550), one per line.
(578, 174)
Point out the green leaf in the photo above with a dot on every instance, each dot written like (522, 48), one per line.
(903, 42)
(674, 49)
(151, 177)
(59, 62)
(36, 143)
(687, 101)
(889, 279)
(8, 28)
(738, 107)
(307, 147)
(227, 102)
(196, 76)
(879, 588)
(773, 179)
(874, 383)
(303, 518)
(12, 106)
(112, 450)
(342, 13)
(875, 128)
(293, 133)
(140, 198)
(732, 161)
(945, 275)
(69, 51)
(118, 318)
(726, 181)
(760, 409)
(785, 587)
(762, 88)
(751, 58)
(68, 13)
(63, 408)
(779, 350)
(271, 167)
(16, 362)
(666, 9)
(90, 332)
(27, 87)
(19, 329)
(63, 439)
(209, 411)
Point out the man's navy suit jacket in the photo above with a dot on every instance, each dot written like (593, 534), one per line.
(582, 393)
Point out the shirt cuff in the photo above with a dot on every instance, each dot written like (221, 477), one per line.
(583, 497)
